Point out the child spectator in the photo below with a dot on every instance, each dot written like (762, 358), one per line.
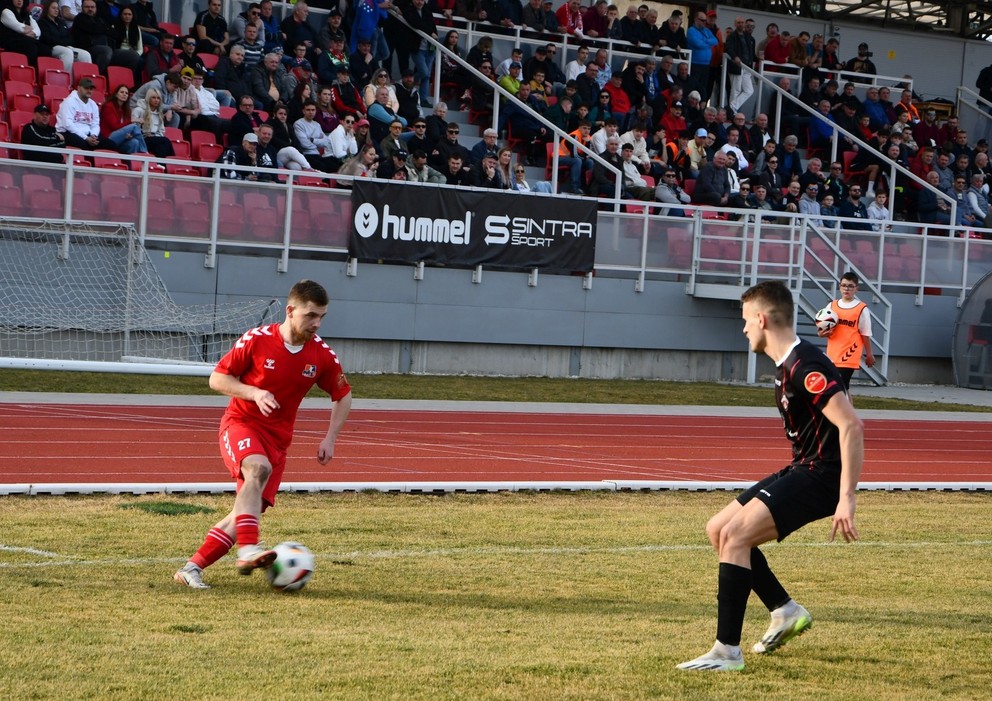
(879, 212)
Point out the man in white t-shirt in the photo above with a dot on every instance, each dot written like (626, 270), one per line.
(598, 142)
(573, 69)
(209, 117)
(78, 119)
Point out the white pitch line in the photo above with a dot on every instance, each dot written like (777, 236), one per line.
(473, 552)
(30, 551)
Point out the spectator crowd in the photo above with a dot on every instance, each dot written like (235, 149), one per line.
(351, 94)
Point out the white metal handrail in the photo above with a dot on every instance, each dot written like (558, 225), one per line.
(629, 242)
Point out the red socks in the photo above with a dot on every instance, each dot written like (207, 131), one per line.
(215, 546)
(217, 542)
(246, 526)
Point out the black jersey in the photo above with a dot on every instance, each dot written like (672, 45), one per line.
(804, 383)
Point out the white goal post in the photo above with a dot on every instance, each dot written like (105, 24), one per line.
(86, 296)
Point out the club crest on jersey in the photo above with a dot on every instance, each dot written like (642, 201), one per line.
(309, 371)
(270, 363)
(815, 382)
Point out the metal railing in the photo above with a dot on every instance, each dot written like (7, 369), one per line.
(519, 36)
(974, 113)
(893, 168)
(500, 91)
(204, 211)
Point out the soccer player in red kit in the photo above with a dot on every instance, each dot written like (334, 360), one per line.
(827, 454)
(267, 374)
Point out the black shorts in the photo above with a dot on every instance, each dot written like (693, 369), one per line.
(795, 497)
(846, 374)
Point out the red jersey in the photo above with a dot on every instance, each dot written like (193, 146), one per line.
(260, 358)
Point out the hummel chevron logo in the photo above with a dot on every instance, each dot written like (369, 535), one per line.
(249, 335)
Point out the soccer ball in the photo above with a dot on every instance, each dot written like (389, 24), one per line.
(293, 567)
(826, 319)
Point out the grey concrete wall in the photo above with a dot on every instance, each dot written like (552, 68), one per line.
(383, 320)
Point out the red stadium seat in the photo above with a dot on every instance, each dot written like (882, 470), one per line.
(231, 220)
(196, 218)
(179, 168)
(309, 181)
(10, 201)
(199, 136)
(112, 162)
(87, 207)
(21, 102)
(48, 63)
(186, 194)
(17, 87)
(23, 73)
(82, 68)
(118, 75)
(209, 153)
(36, 181)
(161, 217)
(182, 149)
(17, 122)
(256, 200)
(79, 157)
(848, 158)
(157, 191)
(264, 224)
(122, 209)
(53, 90)
(57, 77)
(45, 203)
(209, 60)
(10, 60)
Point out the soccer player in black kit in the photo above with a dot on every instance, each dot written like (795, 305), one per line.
(827, 454)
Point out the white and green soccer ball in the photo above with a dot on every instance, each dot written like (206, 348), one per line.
(293, 567)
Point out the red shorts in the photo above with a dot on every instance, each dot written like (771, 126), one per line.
(238, 441)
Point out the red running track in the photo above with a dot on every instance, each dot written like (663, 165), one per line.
(150, 444)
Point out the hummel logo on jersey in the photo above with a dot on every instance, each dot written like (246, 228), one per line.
(309, 371)
(249, 335)
(270, 363)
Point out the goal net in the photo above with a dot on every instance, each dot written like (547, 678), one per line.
(88, 297)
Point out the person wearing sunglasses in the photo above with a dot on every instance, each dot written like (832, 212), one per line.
(251, 16)
(809, 204)
(450, 146)
(344, 145)
(669, 191)
(415, 139)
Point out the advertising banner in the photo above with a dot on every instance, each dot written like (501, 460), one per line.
(405, 223)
